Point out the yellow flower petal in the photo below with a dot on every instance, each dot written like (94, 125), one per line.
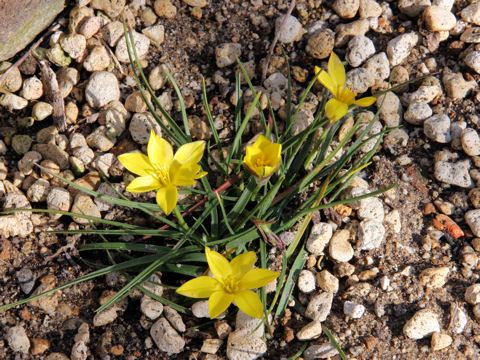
(336, 70)
(219, 265)
(159, 150)
(335, 109)
(366, 101)
(256, 278)
(274, 152)
(185, 174)
(143, 184)
(262, 142)
(326, 80)
(249, 303)
(243, 263)
(200, 287)
(191, 152)
(218, 302)
(137, 163)
(167, 197)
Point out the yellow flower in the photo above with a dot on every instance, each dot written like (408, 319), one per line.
(262, 158)
(334, 81)
(233, 281)
(163, 171)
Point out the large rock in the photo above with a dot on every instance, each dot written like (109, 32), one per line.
(19, 28)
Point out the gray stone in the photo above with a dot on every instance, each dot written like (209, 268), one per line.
(26, 279)
(439, 19)
(353, 309)
(473, 60)
(360, 48)
(472, 218)
(79, 351)
(440, 341)
(226, 54)
(417, 113)
(371, 209)
(400, 47)
(379, 65)
(98, 59)
(455, 85)
(83, 204)
(32, 88)
(391, 109)
(472, 293)
(243, 345)
(38, 191)
(413, 8)
(355, 28)
(471, 35)
(360, 80)
(142, 43)
(453, 173)
(319, 306)
(13, 102)
(291, 30)
(422, 324)
(470, 142)
(306, 281)
(319, 238)
(246, 322)
(310, 331)
(18, 340)
(74, 45)
(437, 128)
(140, 126)
(471, 13)
(340, 248)
(99, 139)
(369, 9)
(151, 308)
(370, 234)
(323, 351)
(67, 78)
(101, 89)
(166, 338)
(346, 9)
(156, 33)
(174, 318)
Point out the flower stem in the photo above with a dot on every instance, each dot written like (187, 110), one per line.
(181, 221)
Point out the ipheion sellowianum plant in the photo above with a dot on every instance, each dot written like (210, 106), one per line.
(240, 219)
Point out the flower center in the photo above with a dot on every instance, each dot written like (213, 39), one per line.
(231, 284)
(261, 161)
(161, 174)
(345, 95)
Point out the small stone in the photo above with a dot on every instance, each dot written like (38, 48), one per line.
(32, 88)
(91, 26)
(112, 32)
(471, 13)
(226, 54)
(13, 80)
(148, 16)
(310, 331)
(440, 341)
(18, 340)
(413, 8)
(174, 318)
(400, 47)
(369, 9)
(98, 139)
(135, 102)
(360, 48)
(21, 144)
(370, 234)
(472, 293)
(38, 191)
(242, 345)
(57, 356)
(437, 128)
(352, 309)
(156, 33)
(47, 303)
(422, 324)
(74, 45)
(327, 282)
(157, 77)
(470, 142)
(196, 3)
(211, 346)
(105, 317)
(346, 9)
(291, 30)
(26, 279)
(140, 126)
(453, 173)
(39, 346)
(151, 308)
(246, 322)
(166, 338)
(390, 109)
(101, 89)
(104, 162)
(472, 60)
(105, 189)
(434, 278)
(142, 44)
(371, 209)
(456, 87)
(360, 80)
(340, 248)
(458, 319)
(417, 113)
(13, 102)
(84, 154)
(320, 44)
(67, 78)
(97, 60)
(79, 351)
(379, 65)
(58, 199)
(439, 19)
(323, 351)
(319, 306)
(57, 56)
(165, 9)
(355, 28)
(112, 8)
(200, 309)
(306, 281)
(471, 35)
(83, 204)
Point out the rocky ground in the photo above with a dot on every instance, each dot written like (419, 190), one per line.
(396, 279)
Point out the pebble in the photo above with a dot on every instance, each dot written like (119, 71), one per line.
(200, 309)
(83, 204)
(174, 318)
(360, 80)
(471, 35)
(21, 144)
(67, 78)
(166, 338)
(58, 199)
(165, 9)
(453, 173)
(211, 346)
(472, 60)
(32, 88)
(355, 28)
(369, 9)
(13, 80)
(101, 89)
(417, 113)
(327, 282)
(105, 317)
(370, 234)
(439, 19)
(98, 139)
(98, 59)
(74, 45)
(79, 351)
(142, 44)
(440, 341)
(57, 356)
(91, 26)
(140, 126)
(112, 32)
(323, 351)
(422, 324)
(47, 303)
(458, 319)
(26, 279)
(306, 281)
(471, 13)
(38, 191)
(437, 128)
(246, 322)
(156, 33)
(196, 3)
(39, 346)
(340, 248)
(400, 47)
(371, 209)
(346, 9)
(470, 142)
(435, 277)
(151, 308)
(310, 331)
(391, 110)
(13, 102)
(456, 87)
(427, 92)
(413, 8)
(320, 44)
(359, 49)
(353, 309)
(157, 77)
(319, 238)
(135, 103)
(226, 54)
(472, 293)
(243, 345)
(18, 340)
(291, 30)
(104, 163)
(379, 65)
(319, 306)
